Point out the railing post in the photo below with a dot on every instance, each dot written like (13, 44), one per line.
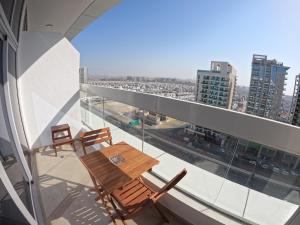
(143, 133)
(103, 112)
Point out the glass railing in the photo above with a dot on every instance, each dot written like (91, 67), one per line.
(251, 181)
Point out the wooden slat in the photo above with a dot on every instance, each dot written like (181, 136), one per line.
(98, 141)
(130, 191)
(88, 133)
(61, 137)
(59, 128)
(95, 136)
(62, 141)
(133, 196)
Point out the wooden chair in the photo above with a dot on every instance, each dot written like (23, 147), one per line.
(95, 137)
(61, 140)
(136, 195)
(91, 138)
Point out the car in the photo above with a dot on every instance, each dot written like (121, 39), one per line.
(221, 150)
(275, 169)
(252, 162)
(285, 172)
(265, 165)
(295, 172)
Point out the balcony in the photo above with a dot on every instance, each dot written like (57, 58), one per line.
(66, 196)
(241, 169)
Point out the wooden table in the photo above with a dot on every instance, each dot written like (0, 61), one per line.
(111, 176)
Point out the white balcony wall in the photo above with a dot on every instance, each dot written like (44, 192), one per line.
(48, 83)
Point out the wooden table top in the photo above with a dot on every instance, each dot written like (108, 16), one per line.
(111, 176)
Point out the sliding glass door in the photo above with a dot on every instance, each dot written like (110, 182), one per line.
(15, 176)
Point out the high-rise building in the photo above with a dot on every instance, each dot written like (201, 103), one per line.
(295, 106)
(266, 87)
(216, 86)
(83, 74)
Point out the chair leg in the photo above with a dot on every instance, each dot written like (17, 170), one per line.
(55, 150)
(161, 213)
(121, 216)
(84, 151)
(112, 216)
(124, 222)
(113, 219)
(73, 145)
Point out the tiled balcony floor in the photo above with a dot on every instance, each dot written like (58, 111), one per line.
(64, 186)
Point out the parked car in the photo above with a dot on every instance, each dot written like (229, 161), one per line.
(276, 169)
(285, 172)
(264, 164)
(295, 172)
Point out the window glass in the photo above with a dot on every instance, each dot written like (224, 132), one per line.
(7, 6)
(11, 61)
(17, 18)
(9, 212)
(15, 101)
(9, 161)
(25, 26)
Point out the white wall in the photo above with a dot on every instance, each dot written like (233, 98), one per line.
(48, 85)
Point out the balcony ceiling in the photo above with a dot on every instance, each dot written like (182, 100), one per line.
(67, 17)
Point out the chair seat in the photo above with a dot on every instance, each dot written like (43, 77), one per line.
(133, 196)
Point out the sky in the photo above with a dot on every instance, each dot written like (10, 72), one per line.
(174, 38)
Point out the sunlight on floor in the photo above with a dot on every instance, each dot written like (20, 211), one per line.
(65, 192)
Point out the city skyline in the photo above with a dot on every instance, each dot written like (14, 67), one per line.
(175, 40)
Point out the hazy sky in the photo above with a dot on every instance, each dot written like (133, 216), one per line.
(174, 38)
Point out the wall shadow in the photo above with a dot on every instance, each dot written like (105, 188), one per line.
(46, 132)
(42, 46)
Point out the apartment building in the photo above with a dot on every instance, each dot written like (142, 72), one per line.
(216, 86)
(266, 87)
(295, 107)
(83, 74)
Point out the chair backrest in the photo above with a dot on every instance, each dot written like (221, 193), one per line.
(95, 137)
(170, 184)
